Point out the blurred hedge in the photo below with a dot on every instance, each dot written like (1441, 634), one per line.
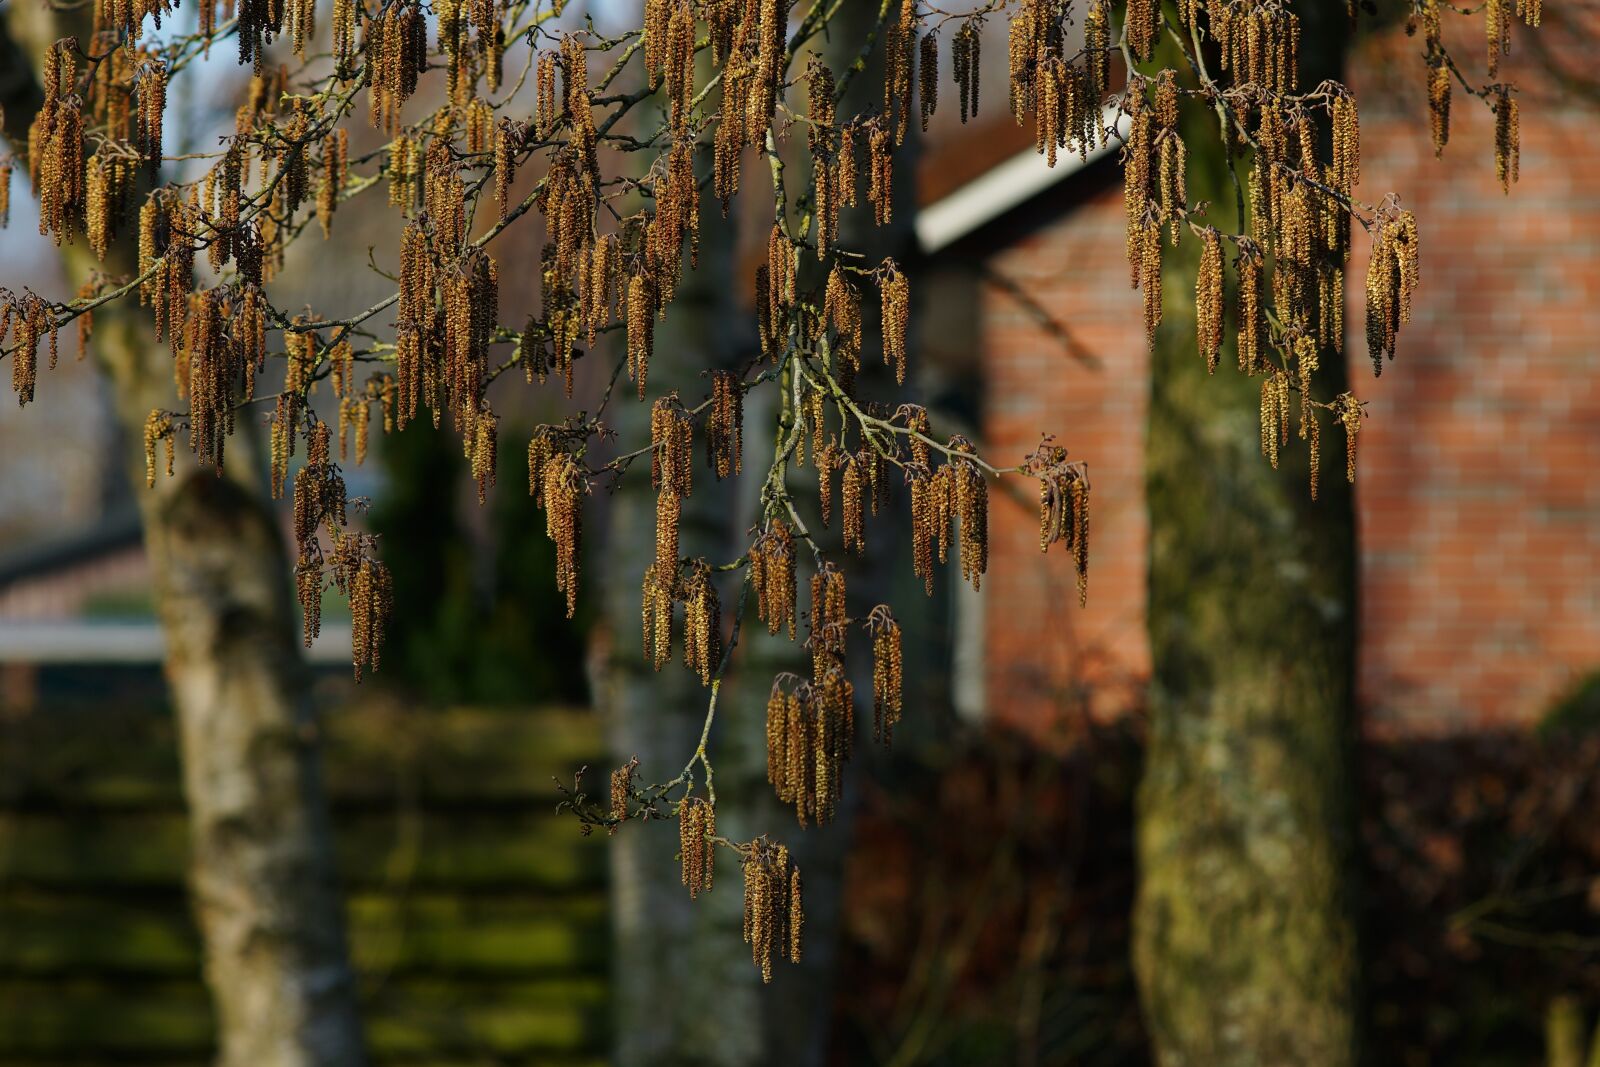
(477, 917)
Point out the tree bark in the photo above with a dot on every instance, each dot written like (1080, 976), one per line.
(1245, 933)
(684, 989)
(262, 871)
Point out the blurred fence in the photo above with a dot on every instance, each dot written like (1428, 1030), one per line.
(477, 916)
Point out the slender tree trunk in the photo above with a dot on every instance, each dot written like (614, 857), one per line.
(262, 870)
(1245, 934)
(685, 991)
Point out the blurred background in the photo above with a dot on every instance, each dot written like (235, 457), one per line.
(989, 873)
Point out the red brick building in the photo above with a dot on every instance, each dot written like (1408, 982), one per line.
(1479, 487)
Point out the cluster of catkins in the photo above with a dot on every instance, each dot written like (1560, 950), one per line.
(99, 134)
(774, 914)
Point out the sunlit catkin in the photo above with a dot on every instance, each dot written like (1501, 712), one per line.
(900, 42)
(697, 825)
(888, 673)
(772, 577)
(880, 173)
(565, 486)
(1439, 105)
(702, 615)
(1350, 412)
(895, 293)
(822, 112)
(725, 425)
(622, 791)
(972, 505)
(1208, 298)
(671, 446)
(641, 328)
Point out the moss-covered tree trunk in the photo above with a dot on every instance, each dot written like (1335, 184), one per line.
(262, 872)
(1245, 934)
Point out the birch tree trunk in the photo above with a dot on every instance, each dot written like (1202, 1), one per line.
(262, 871)
(686, 991)
(1245, 935)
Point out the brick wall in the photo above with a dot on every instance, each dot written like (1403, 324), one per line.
(1479, 486)
(1082, 375)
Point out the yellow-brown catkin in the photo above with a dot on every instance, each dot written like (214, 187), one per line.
(669, 509)
(702, 615)
(575, 71)
(157, 427)
(725, 427)
(773, 911)
(622, 791)
(1208, 298)
(641, 328)
(1138, 180)
(697, 825)
(880, 172)
(1497, 32)
(1350, 412)
(1149, 238)
(855, 473)
(1315, 445)
(483, 452)
(371, 601)
(972, 503)
(1306, 361)
(848, 181)
(900, 41)
(766, 328)
(671, 446)
(657, 14)
(827, 458)
(922, 526)
(547, 106)
(344, 35)
(150, 84)
(308, 587)
(814, 405)
(822, 112)
(772, 577)
(1439, 105)
(1274, 413)
(1346, 144)
(841, 309)
(895, 293)
(1392, 278)
(680, 63)
(1507, 138)
(796, 916)
(888, 673)
(404, 173)
(335, 174)
(657, 593)
(1251, 321)
(565, 486)
(5, 193)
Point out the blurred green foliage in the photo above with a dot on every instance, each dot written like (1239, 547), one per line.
(478, 617)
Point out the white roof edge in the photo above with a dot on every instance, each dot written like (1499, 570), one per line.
(84, 642)
(993, 193)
